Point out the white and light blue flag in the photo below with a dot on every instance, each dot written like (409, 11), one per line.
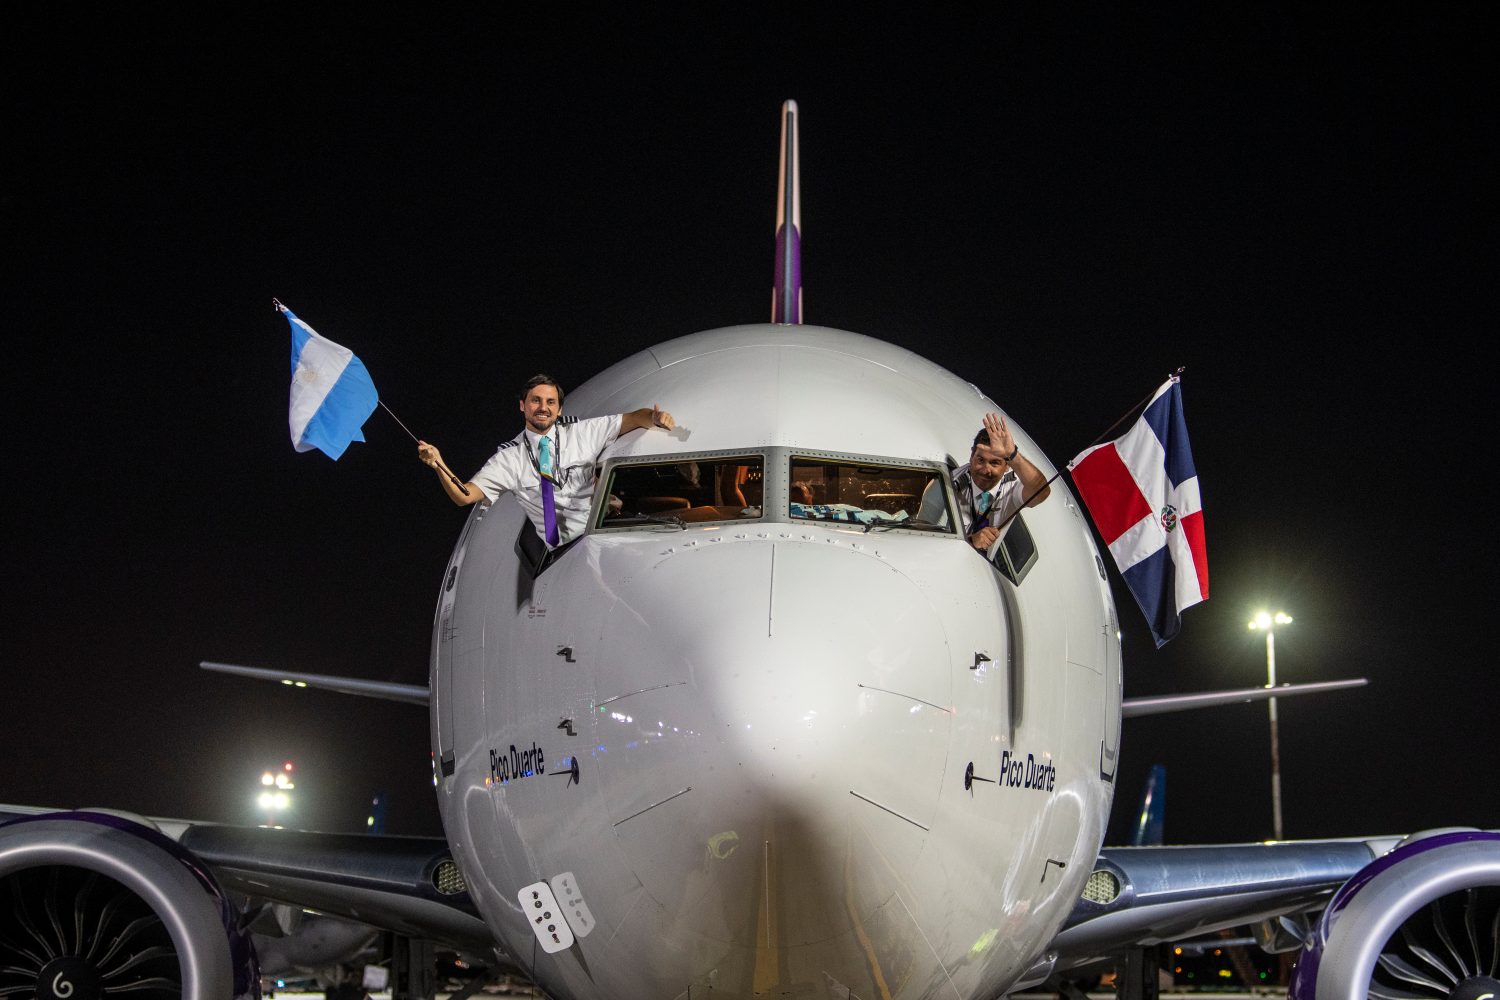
(332, 394)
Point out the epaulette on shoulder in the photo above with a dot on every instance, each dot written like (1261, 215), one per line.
(509, 444)
(568, 420)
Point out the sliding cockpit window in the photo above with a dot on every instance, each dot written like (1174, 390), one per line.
(683, 491)
(872, 494)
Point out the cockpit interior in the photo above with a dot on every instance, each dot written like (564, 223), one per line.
(776, 484)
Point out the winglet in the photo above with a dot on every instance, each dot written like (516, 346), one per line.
(786, 296)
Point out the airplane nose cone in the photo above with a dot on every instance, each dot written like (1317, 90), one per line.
(748, 744)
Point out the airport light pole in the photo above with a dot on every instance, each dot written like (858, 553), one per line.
(1266, 621)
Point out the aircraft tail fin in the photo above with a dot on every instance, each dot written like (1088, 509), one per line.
(786, 295)
(1150, 827)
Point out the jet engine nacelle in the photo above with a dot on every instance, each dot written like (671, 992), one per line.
(1421, 921)
(92, 904)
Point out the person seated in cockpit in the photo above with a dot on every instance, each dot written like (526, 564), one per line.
(991, 486)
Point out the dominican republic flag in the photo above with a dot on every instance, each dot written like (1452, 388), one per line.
(1142, 491)
(332, 394)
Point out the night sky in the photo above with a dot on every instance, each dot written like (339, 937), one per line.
(1059, 208)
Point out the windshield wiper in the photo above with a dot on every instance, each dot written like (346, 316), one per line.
(670, 520)
(915, 524)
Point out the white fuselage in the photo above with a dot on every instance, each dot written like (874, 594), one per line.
(772, 718)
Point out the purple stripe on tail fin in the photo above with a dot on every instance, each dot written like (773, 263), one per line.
(786, 297)
(786, 306)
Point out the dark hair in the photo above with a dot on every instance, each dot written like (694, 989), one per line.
(982, 438)
(537, 380)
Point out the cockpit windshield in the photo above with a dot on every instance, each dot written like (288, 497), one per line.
(871, 494)
(675, 494)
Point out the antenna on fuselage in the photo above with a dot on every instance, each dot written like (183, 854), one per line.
(786, 296)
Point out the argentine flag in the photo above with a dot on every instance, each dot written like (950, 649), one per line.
(332, 394)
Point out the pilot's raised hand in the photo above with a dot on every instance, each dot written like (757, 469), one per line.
(429, 455)
(1001, 439)
(646, 418)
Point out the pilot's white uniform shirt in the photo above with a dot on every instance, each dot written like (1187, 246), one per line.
(576, 446)
(1005, 498)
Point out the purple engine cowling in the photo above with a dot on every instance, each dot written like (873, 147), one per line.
(1420, 921)
(53, 861)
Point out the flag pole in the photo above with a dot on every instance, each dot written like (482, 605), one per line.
(445, 470)
(1175, 376)
(398, 421)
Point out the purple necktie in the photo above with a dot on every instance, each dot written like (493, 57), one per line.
(549, 505)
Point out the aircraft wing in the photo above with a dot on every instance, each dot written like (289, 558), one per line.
(1156, 704)
(409, 885)
(412, 694)
(405, 884)
(1150, 895)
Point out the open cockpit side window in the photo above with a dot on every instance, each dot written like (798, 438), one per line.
(869, 493)
(533, 553)
(1015, 551)
(685, 490)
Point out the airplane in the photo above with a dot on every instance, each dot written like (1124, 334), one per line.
(762, 731)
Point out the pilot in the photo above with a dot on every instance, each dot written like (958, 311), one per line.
(550, 464)
(992, 486)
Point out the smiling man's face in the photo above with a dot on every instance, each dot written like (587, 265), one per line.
(541, 408)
